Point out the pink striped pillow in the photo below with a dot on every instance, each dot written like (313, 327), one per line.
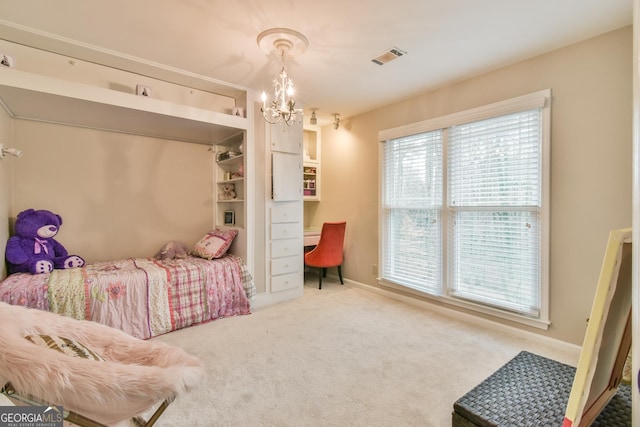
(214, 244)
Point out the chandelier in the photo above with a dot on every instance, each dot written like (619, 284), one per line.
(281, 108)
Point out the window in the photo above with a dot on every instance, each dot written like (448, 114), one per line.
(465, 208)
(413, 208)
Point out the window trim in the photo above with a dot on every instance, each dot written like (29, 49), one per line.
(540, 99)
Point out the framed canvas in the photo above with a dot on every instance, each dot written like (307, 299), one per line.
(608, 336)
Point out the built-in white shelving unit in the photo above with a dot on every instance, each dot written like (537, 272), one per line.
(230, 172)
(311, 185)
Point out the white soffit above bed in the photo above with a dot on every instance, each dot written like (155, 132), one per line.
(95, 54)
(34, 97)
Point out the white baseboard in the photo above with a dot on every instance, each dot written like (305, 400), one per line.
(266, 298)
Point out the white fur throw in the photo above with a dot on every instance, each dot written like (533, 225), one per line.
(133, 376)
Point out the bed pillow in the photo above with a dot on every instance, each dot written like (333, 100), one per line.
(64, 345)
(215, 243)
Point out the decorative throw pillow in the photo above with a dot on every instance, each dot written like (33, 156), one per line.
(215, 243)
(64, 345)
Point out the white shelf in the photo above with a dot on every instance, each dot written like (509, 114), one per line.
(31, 96)
(230, 181)
(231, 160)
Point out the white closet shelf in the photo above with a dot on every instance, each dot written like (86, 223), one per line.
(31, 96)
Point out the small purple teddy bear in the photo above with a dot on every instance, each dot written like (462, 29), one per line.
(33, 249)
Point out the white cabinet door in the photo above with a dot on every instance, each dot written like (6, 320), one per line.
(286, 170)
(286, 139)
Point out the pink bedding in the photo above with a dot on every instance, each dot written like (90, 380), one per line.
(141, 296)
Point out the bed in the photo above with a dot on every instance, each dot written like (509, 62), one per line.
(144, 297)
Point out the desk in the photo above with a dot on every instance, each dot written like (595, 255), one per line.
(311, 236)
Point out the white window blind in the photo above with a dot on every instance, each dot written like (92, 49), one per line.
(465, 208)
(413, 210)
(494, 205)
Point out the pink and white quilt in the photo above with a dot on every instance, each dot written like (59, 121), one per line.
(143, 297)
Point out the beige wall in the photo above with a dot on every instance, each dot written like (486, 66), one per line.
(119, 195)
(591, 166)
(6, 167)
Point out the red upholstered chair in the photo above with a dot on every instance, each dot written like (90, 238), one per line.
(328, 252)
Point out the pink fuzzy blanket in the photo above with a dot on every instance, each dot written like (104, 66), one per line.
(134, 375)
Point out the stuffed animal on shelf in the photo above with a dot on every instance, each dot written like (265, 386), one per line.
(228, 191)
(33, 249)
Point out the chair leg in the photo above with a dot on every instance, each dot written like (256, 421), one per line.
(320, 278)
(324, 272)
(340, 274)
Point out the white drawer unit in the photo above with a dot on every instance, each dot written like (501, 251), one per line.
(285, 210)
(285, 282)
(286, 265)
(282, 214)
(284, 248)
(286, 231)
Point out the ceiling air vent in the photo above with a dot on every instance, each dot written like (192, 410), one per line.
(388, 55)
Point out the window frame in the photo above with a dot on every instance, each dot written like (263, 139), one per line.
(540, 99)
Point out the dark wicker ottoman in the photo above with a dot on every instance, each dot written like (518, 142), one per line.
(531, 391)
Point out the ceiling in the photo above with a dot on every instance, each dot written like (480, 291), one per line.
(445, 41)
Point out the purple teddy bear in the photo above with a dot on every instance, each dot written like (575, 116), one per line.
(33, 249)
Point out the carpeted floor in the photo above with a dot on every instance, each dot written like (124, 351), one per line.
(340, 356)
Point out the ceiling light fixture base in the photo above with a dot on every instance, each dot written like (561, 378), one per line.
(282, 40)
(282, 106)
